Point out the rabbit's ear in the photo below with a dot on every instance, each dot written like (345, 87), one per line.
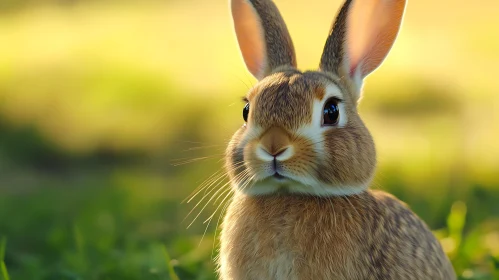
(361, 37)
(262, 35)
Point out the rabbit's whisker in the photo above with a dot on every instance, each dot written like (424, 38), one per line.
(206, 204)
(228, 192)
(230, 169)
(215, 176)
(250, 180)
(216, 227)
(210, 181)
(178, 162)
(204, 147)
(214, 184)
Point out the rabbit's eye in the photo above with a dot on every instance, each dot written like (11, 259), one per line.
(246, 112)
(331, 112)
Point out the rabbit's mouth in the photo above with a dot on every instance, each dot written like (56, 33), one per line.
(279, 176)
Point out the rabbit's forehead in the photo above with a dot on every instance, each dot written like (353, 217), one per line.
(289, 100)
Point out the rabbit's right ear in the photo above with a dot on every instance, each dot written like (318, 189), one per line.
(262, 35)
(361, 37)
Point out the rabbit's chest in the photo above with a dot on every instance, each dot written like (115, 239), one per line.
(279, 265)
(258, 252)
(261, 242)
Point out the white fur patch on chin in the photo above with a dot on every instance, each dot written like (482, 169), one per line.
(271, 185)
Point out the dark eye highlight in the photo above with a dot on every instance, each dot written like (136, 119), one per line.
(331, 112)
(246, 112)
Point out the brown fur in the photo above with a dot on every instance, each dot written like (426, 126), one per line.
(275, 140)
(367, 236)
(273, 99)
(333, 53)
(320, 92)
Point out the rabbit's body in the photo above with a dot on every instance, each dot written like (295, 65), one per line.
(371, 235)
(301, 164)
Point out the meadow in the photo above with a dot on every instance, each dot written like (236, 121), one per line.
(113, 112)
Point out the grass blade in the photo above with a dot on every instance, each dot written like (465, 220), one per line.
(3, 267)
(168, 260)
(5, 273)
(3, 244)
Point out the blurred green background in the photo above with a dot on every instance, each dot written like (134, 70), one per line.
(99, 101)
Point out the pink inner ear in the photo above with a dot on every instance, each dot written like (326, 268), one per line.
(372, 27)
(249, 34)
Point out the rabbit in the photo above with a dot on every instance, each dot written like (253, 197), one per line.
(301, 164)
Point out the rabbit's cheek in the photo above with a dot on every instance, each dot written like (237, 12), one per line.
(256, 166)
(304, 161)
(234, 159)
(310, 138)
(351, 157)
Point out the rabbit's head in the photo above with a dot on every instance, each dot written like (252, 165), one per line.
(302, 132)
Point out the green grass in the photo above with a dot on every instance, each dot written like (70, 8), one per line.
(100, 225)
(3, 268)
(171, 270)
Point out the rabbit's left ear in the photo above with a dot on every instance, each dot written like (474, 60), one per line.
(361, 37)
(263, 36)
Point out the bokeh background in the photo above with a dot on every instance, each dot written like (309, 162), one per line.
(113, 112)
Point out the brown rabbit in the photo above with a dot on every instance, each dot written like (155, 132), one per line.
(302, 162)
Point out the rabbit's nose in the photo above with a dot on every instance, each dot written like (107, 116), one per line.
(274, 140)
(275, 144)
(280, 152)
(281, 155)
